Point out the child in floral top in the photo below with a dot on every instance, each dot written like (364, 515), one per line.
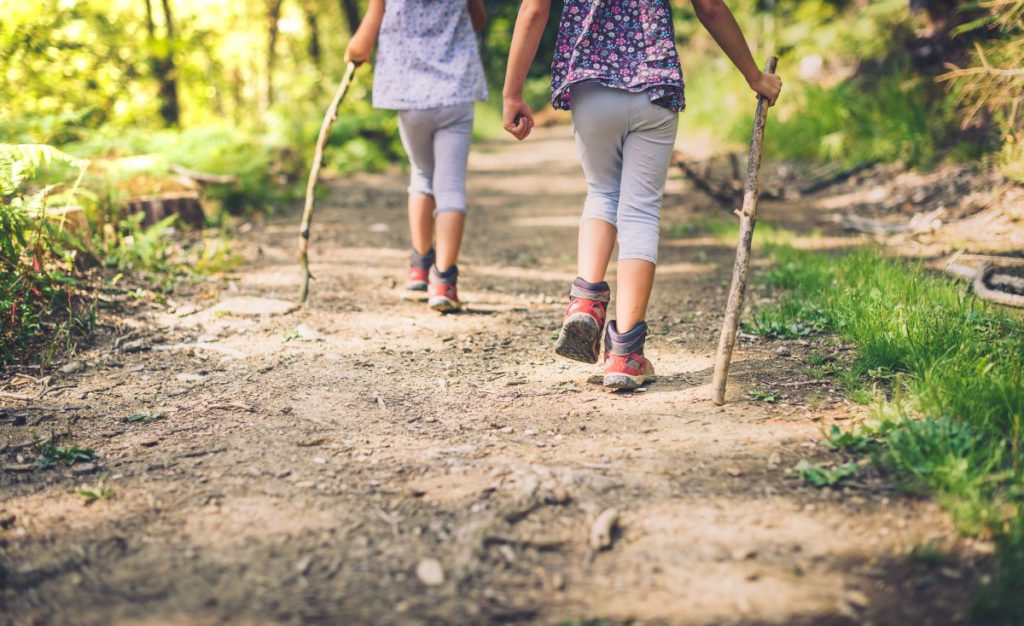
(429, 70)
(616, 68)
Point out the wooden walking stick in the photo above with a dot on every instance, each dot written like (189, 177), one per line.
(314, 176)
(748, 217)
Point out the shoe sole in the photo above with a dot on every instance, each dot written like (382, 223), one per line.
(625, 382)
(443, 305)
(416, 286)
(579, 339)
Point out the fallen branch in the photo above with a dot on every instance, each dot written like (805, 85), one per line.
(920, 223)
(17, 396)
(727, 198)
(983, 291)
(834, 178)
(202, 345)
(998, 261)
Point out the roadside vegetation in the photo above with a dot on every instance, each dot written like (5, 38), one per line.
(942, 374)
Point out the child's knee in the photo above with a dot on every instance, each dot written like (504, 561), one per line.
(600, 206)
(450, 202)
(421, 182)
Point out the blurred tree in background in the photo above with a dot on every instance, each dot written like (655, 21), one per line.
(138, 86)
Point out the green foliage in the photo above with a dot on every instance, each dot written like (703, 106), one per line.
(144, 417)
(891, 117)
(994, 86)
(51, 455)
(101, 491)
(853, 441)
(823, 475)
(763, 395)
(953, 426)
(36, 286)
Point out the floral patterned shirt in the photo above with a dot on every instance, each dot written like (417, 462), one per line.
(624, 44)
(427, 56)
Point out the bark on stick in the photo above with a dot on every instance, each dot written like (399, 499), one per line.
(314, 176)
(748, 217)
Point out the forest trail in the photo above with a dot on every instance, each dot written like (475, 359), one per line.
(298, 469)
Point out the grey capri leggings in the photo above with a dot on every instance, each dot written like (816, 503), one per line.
(437, 142)
(625, 143)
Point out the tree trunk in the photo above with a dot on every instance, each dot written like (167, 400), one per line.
(350, 9)
(314, 34)
(273, 15)
(162, 64)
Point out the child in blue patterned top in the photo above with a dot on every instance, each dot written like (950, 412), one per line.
(428, 69)
(616, 67)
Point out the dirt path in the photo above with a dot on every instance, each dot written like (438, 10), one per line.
(298, 468)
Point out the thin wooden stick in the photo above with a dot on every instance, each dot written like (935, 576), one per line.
(748, 217)
(314, 176)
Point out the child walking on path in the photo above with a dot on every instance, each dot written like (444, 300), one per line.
(429, 70)
(616, 68)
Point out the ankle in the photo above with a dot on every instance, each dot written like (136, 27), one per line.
(628, 342)
(422, 260)
(582, 288)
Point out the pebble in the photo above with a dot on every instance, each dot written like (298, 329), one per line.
(72, 367)
(430, 572)
(782, 351)
(82, 469)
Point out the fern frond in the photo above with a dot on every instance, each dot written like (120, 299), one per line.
(22, 162)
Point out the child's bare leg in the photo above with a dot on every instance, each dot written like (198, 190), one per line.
(594, 250)
(635, 278)
(421, 221)
(449, 228)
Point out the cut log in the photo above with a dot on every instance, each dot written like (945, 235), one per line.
(185, 205)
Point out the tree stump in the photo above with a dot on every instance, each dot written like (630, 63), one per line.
(185, 205)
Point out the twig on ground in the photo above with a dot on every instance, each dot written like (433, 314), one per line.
(203, 345)
(602, 529)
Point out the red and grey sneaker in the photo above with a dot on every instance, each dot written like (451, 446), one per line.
(580, 337)
(418, 278)
(419, 270)
(625, 366)
(443, 291)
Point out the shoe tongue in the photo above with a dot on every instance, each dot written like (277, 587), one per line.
(623, 344)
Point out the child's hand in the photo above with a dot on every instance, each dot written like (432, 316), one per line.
(517, 118)
(767, 85)
(358, 50)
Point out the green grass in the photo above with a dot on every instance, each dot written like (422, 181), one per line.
(954, 366)
(51, 455)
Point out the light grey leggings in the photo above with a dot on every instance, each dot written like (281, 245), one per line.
(437, 142)
(625, 144)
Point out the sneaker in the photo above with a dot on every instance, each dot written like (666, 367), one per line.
(419, 270)
(418, 278)
(580, 337)
(625, 366)
(442, 290)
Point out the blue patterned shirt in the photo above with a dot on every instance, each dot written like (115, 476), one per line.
(624, 44)
(427, 56)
